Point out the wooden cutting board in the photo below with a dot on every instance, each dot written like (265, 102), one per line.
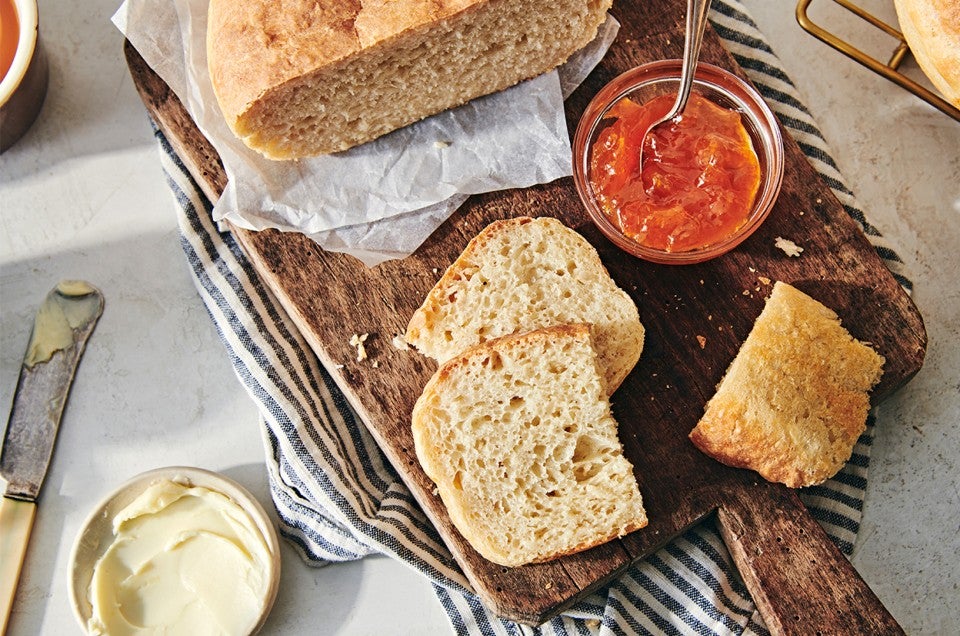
(800, 581)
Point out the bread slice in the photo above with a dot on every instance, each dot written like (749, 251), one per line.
(300, 78)
(521, 274)
(518, 436)
(932, 29)
(795, 399)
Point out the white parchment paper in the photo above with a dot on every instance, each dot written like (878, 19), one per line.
(382, 199)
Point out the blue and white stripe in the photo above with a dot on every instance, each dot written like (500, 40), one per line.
(339, 499)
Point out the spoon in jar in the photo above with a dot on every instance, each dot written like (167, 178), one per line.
(697, 11)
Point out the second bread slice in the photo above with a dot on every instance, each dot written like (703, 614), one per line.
(522, 274)
(518, 436)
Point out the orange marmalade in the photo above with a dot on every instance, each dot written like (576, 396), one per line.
(699, 178)
(9, 35)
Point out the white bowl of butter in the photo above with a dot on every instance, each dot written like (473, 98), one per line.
(175, 551)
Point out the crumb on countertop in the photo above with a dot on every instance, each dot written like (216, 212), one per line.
(789, 247)
(702, 340)
(399, 343)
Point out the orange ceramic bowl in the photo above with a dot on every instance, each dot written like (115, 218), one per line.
(719, 86)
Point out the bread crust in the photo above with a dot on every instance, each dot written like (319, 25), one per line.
(276, 68)
(619, 334)
(795, 399)
(254, 46)
(479, 499)
(932, 29)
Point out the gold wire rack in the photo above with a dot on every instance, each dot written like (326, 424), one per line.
(887, 69)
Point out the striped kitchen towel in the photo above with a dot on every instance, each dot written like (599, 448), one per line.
(338, 498)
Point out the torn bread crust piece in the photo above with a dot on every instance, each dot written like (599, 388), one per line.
(522, 274)
(795, 399)
(518, 436)
(303, 78)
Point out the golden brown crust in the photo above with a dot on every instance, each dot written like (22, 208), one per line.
(380, 20)
(932, 29)
(424, 318)
(795, 399)
(513, 503)
(586, 545)
(304, 78)
(439, 329)
(254, 46)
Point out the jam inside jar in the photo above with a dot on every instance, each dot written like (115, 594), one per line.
(699, 178)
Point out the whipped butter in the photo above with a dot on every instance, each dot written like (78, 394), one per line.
(184, 560)
(70, 305)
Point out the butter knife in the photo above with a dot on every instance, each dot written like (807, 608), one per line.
(61, 328)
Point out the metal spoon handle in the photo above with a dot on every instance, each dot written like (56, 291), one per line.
(697, 11)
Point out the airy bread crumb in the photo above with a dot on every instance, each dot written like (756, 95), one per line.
(787, 246)
(520, 274)
(307, 78)
(518, 436)
(357, 341)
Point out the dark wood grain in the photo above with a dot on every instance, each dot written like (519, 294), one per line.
(788, 562)
(778, 546)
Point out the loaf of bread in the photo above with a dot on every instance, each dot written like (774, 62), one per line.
(518, 436)
(932, 29)
(795, 399)
(524, 273)
(302, 78)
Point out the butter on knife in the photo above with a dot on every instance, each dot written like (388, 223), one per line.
(62, 326)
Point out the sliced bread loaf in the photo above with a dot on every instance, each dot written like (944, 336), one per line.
(795, 399)
(520, 274)
(300, 78)
(518, 436)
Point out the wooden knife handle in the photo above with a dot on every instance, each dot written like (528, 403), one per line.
(800, 581)
(16, 521)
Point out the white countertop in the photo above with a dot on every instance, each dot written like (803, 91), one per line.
(83, 196)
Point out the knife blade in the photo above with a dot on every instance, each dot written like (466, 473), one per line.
(62, 326)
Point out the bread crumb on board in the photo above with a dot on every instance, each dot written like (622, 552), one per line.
(789, 247)
(702, 340)
(399, 343)
(357, 341)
